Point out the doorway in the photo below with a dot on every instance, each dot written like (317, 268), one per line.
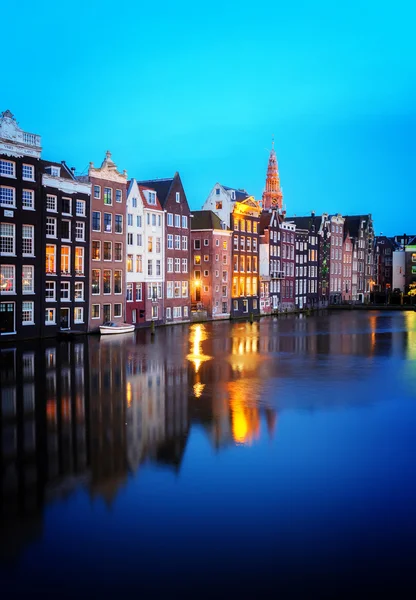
(107, 313)
(64, 318)
(7, 317)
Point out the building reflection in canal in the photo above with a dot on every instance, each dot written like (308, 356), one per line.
(87, 413)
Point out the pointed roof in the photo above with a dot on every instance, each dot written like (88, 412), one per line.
(108, 170)
(272, 195)
(160, 186)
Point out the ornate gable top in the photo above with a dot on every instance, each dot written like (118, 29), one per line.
(108, 170)
(16, 142)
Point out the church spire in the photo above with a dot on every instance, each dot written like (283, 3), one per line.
(272, 195)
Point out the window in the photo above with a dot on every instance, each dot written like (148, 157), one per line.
(7, 279)
(152, 197)
(107, 281)
(138, 292)
(184, 222)
(79, 314)
(168, 313)
(96, 250)
(235, 242)
(65, 260)
(177, 289)
(130, 239)
(66, 206)
(224, 291)
(197, 244)
(28, 240)
(107, 222)
(119, 198)
(97, 192)
(177, 242)
(170, 265)
(7, 168)
(117, 282)
(51, 203)
(118, 224)
(158, 245)
(178, 196)
(7, 238)
(139, 264)
(107, 250)
(50, 227)
(80, 208)
(96, 221)
(177, 220)
(65, 290)
(184, 265)
(150, 268)
(150, 244)
(206, 257)
(108, 196)
(197, 274)
(118, 251)
(7, 196)
(177, 312)
(197, 259)
(170, 219)
(27, 279)
(95, 311)
(245, 306)
(130, 219)
(28, 199)
(117, 309)
(158, 268)
(80, 231)
(248, 226)
(66, 230)
(129, 263)
(95, 281)
(54, 171)
(169, 289)
(242, 242)
(218, 204)
(184, 289)
(50, 318)
(224, 259)
(79, 291)
(153, 220)
(184, 242)
(79, 260)
(129, 292)
(206, 273)
(177, 265)
(50, 259)
(28, 172)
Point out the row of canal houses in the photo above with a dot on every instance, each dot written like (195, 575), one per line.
(80, 250)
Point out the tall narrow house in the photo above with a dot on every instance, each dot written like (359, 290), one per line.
(108, 234)
(66, 252)
(20, 231)
(171, 195)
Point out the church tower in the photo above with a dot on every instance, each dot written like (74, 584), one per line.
(272, 195)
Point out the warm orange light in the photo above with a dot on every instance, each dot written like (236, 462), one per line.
(128, 394)
(197, 283)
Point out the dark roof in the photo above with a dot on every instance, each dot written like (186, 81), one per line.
(205, 219)
(239, 194)
(306, 222)
(66, 172)
(161, 187)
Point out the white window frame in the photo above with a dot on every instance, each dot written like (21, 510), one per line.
(51, 311)
(78, 310)
(70, 206)
(79, 290)
(99, 311)
(168, 312)
(50, 198)
(30, 308)
(4, 171)
(178, 197)
(31, 197)
(30, 228)
(8, 204)
(31, 278)
(32, 171)
(3, 270)
(65, 291)
(80, 204)
(80, 227)
(114, 308)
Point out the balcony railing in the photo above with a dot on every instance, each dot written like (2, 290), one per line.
(31, 139)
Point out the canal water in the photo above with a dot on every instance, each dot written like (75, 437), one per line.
(273, 459)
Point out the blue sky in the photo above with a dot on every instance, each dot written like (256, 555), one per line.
(201, 88)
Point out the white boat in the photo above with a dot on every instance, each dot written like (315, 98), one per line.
(111, 328)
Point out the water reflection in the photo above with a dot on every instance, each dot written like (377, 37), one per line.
(90, 414)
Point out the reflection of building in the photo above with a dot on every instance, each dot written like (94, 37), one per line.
(43, 431)
(107, 416)
(145, 407)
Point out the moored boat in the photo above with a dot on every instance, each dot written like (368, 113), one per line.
(111, 328)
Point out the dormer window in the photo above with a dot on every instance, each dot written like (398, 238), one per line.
(232, 194)
(152, 197)
(53, 171)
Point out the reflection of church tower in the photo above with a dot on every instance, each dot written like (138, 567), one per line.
(272, 195)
